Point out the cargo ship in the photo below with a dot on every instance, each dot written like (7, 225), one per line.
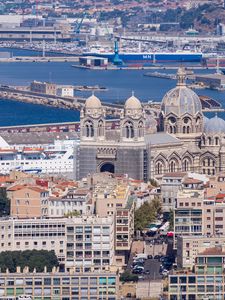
(120, 58)
(151, 58)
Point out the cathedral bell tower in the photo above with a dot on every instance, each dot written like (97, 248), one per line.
(92, 120)
(132, 121)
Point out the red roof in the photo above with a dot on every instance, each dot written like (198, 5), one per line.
(189, 180)
(220, 196)
(175, 174)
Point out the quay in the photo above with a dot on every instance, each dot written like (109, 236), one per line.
(76, 103)
(40, 59)
(141, 67)
(52, 127)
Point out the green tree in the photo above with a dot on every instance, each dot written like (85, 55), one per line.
(143, 216)
(30, 258)
(171, 220)
(127, 276)
(156, 206)
(4, 203)
(153, 182)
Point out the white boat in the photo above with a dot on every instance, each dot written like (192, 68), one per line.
(52, 159)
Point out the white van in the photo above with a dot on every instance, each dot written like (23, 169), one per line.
(140, 255)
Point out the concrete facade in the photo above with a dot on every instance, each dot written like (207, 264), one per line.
(60, 286)
(80, 242)
(188, 248)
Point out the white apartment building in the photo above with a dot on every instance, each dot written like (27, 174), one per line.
(90, 242)
(65, 91)
(81, 242)
(74, 200)
(29, 234)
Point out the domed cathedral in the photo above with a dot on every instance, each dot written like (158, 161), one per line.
(121, 151)
(213, 146)
(181, 112)
(203, 140)
(186, 140)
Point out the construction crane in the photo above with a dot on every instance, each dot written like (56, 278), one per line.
(78, 25)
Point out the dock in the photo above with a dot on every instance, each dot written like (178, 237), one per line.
(160, 75)
(76, 103)
(39, 59)
(140, 67)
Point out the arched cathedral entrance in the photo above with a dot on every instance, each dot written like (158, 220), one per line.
(107, 167)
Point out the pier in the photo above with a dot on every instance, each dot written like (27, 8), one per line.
(40, 59)
(142, 67)
(76, 103)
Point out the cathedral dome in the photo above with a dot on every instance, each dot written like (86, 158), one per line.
(93, 102)
(133, 103)
(181, 99)
(214, 125)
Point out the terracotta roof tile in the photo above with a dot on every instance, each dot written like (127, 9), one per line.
(212, 251)
(175, 174)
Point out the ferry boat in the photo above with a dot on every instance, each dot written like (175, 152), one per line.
(52, 159)
(148, 57)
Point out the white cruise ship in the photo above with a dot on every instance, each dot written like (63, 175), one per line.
(57, 157)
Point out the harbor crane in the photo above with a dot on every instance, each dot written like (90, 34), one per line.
(79, 24)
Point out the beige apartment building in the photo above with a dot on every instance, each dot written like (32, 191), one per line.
(74, 201)
(199, 216)
(57, 285)
(79, 242)
(28, 201)
(109, 197)
(216, 185)
(113, 199)
(188, 248)
(196, 215)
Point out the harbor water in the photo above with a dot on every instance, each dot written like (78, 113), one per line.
(119, 84)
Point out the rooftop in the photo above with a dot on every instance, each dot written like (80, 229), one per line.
(189, 180)
(36, 137)
(175, 174)
(213, 251)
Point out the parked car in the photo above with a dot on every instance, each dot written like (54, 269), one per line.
(138, 264)
(138, 267)
(165, 272)
(157, 256)
(150, 257)
(137, 271)
(139, 260)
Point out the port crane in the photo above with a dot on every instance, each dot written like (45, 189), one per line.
(116, 60)
(79, 24)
